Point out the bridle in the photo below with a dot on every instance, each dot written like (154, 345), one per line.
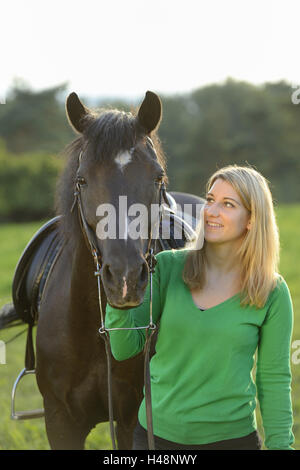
(90, 239)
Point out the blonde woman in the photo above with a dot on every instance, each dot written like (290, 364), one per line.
(217, 303)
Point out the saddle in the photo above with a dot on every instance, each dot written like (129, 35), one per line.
(33, 269)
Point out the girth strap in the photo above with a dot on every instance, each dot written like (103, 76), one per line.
(29, 351)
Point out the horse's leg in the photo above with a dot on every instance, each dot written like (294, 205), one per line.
(124, 436)
(127, 405)
(63, 432)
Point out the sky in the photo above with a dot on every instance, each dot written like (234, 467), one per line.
(121, 48)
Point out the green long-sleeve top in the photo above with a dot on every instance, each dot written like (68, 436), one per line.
(201, 373)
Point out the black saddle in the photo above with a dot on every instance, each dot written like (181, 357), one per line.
(33, 268)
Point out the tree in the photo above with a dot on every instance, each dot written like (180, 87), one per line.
(34, 121)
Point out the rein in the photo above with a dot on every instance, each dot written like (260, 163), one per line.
(90, 239)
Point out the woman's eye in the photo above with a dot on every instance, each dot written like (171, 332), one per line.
(226, 203)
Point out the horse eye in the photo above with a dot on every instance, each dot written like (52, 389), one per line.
(159, 179)
(80, 180)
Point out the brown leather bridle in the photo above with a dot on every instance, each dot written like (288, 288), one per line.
(90, 239)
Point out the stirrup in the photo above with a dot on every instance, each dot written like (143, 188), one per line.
(17, 415)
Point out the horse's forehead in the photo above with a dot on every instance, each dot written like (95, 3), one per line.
(126, 157)
(123, 159)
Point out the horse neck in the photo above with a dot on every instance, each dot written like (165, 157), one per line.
(84, 292)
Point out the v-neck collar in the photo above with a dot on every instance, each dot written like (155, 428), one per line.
(230, 299)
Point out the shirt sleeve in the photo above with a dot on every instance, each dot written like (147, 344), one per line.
(128, 343)
(273, 376)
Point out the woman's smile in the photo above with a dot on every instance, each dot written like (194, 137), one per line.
(214, 225)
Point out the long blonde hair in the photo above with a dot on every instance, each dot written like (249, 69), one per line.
(259, 251)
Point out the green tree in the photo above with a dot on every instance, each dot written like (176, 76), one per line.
(34, 121)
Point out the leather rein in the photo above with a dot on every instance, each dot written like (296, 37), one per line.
(90, 239)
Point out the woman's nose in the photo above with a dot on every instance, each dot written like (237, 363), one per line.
(212, 209)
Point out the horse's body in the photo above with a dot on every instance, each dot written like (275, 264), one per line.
(71, 365)
(71, 361)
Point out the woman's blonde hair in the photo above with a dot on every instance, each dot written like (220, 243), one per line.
(259, 252)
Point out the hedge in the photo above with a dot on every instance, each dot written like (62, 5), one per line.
(27, 185)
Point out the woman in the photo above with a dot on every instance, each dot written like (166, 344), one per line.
(217, 304)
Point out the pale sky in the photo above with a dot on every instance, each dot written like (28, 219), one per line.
(125, 47)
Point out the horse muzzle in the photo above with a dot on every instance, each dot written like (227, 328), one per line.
(125, 287)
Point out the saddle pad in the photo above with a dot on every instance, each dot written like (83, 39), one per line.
(33, 268)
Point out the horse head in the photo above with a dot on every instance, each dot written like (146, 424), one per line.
(118, 170)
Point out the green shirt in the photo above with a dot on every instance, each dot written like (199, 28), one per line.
(201, 373)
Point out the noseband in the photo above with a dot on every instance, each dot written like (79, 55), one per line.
(90, 239)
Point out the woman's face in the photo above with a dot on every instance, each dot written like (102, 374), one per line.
(225, 217)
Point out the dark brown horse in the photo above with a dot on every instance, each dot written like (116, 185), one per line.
(111, 157)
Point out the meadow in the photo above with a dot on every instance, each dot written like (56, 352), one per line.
(31, 434)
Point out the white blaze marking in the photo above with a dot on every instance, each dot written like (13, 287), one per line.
(124, 291)
(122, 159)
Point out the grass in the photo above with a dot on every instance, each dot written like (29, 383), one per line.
(17, 435)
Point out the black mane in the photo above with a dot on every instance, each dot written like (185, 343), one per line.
(110, 133)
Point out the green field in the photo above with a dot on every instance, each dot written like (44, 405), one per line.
(31, 434)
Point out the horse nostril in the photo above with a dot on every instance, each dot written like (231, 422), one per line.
(114, 278)
(144, 274)
(107, 273)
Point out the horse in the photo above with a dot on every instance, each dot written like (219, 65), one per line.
(114, 154)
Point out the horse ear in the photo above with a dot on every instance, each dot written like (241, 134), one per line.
(150, 111)
(76, 112)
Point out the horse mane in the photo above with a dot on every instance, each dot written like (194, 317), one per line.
(107, 133)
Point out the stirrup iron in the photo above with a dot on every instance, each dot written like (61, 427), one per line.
(31, 414)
